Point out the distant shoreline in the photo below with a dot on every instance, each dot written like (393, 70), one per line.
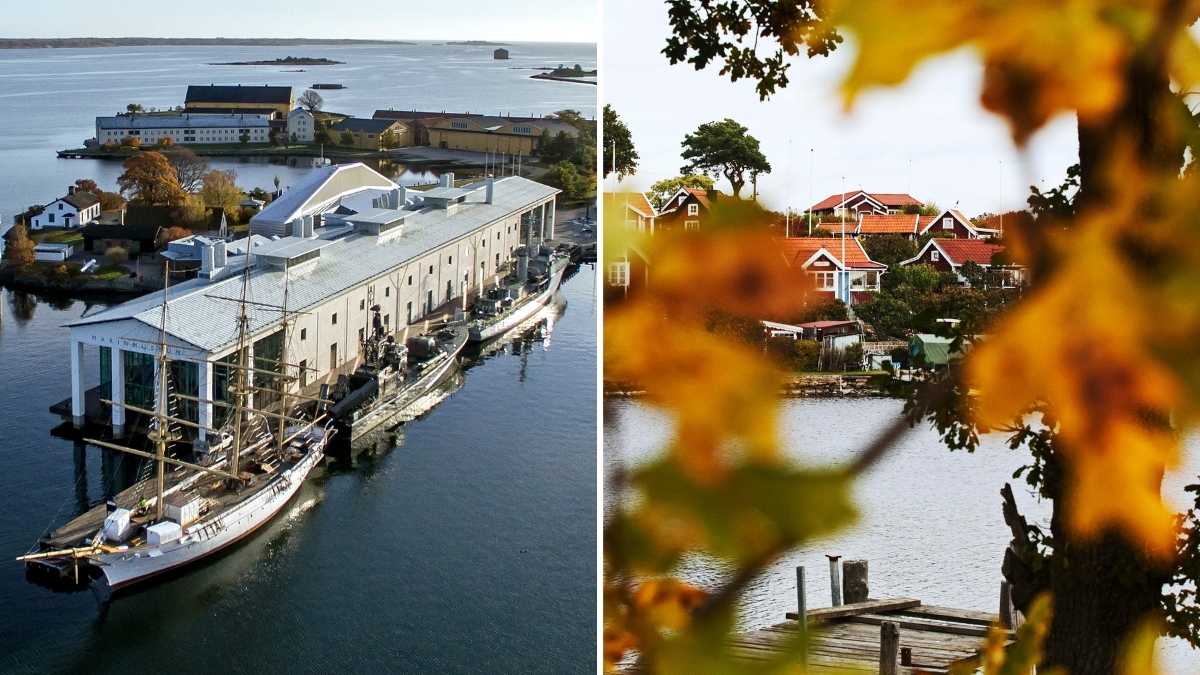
(287, 61)
(84, 42)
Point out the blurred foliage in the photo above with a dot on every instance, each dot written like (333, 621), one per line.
(1094, 372)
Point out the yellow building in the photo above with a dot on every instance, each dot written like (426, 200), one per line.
(239, 99)
(513, 136)
(369, 134)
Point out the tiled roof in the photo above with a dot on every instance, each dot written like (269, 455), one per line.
(873, 223)
(701, 196)
(81, 200)
(959, 251)
(799, 249)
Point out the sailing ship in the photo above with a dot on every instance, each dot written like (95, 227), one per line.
(393, 376)
(529, 287)
(195, 510)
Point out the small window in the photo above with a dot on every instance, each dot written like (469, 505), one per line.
(410, 280)
(618, 274)
(362, 335)
(387, 292)
(450, 260)
(431, 269)
(935, 256)
(693, 209)
(362, 304)
(387, 319)
(691, 224)
(335, 318)
(947, 223)
(303, 334)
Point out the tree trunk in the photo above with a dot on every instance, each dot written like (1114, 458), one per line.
(736, 182)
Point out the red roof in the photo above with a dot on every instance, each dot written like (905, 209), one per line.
(800, 249)
(959, 251)
(701, 196)
(890, 199)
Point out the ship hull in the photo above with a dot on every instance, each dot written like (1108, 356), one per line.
(520, 314)
(208, 537)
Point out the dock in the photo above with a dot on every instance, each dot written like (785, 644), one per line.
(897, 636)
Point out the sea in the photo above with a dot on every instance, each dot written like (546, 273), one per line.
(463, 542)
(929, 523)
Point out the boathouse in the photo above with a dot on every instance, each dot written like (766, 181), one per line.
(345, 239)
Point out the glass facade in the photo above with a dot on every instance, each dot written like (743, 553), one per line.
(268, 352)
(185, 379)
(106, 372)
(139, 379)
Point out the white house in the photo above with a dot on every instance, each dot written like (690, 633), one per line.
(301, 125)
(76, 209)
(184, 128)
(52, 252)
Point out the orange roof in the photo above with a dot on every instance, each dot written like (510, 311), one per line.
(800, 249)
(701, 196)
(873, 223)
(634, 200)
(959, 251)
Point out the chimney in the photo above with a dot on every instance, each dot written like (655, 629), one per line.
(219, 257)
(491, 190)
(70, 190)
(394, 199)
(446, 180)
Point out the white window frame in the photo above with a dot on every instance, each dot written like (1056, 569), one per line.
(618, 274)
(691, 225)
(693, 209)
(948, 223)
(825, 281)
(935, 256)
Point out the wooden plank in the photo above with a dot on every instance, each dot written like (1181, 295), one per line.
(868, 607)
(923, 625)
(951, 614)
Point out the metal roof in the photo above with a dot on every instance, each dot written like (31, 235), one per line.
(199, 310)
(236, 93)
(181, 121)
(444, 193)
(290, 247)
(319, 191)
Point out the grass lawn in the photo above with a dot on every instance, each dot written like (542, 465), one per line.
(57, 237)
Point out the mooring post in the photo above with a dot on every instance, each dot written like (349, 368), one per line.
(1007, 618)
(854, 581)
(889, 648)
(802, 610)
(835, 579)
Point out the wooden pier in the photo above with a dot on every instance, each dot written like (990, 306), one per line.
(899, 636)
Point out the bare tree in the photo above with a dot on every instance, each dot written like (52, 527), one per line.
(310, 101)
(189, 167)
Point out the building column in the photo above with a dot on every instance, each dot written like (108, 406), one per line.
(78, 402)
(118, 391)
(549, 226)
(204, 391)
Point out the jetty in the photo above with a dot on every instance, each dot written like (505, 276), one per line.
(896, 636)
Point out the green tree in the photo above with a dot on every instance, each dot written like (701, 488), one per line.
(347, 138)
(724, 148)
(619, 153)
(244, 137)
(666, 188)
(134, 108)
(86, 185)
(889, 249)
(566, 177)
(219, 189)
(322, 134)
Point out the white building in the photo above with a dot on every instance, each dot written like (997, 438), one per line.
(408, 251)
(45, 252)
(184, 128)
(76, 209)
(301, 126)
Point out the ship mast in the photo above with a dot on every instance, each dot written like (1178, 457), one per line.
(161, 431)
(242, 385)
(284, 382)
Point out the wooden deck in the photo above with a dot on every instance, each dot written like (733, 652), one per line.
(847, 638)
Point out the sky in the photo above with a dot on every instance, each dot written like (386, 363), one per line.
(928, 137)
(497, 20)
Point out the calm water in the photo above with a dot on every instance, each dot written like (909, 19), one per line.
(930, 521)
(470, 547)
(49, 98)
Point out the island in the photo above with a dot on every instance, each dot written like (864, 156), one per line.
(285, 61)
(562, 74)
(477, 43)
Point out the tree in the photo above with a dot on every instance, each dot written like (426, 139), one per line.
(1113, 554)
(389, 139)
(165, 142)
(134, 108)
(19, 249)
(244, 137)
(193, 212)
(724, 148)
(889, 249)
(566, 177)
(220, 190)
(188, 166)
(110, 201)
(575, 119)
(150, 179)
(170, 234)
(310, 101)
(321, 134)
(131, 142)
(666, 188)
(619, 153)
(86, 185)
(346, 138)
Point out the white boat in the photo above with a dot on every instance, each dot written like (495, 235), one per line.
(534, 291)
(222, 528)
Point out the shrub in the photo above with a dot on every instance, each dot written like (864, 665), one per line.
(117, 255)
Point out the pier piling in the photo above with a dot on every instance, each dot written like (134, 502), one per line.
(835, 579)
(802, 609)
(854, 581)
(889, 648)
